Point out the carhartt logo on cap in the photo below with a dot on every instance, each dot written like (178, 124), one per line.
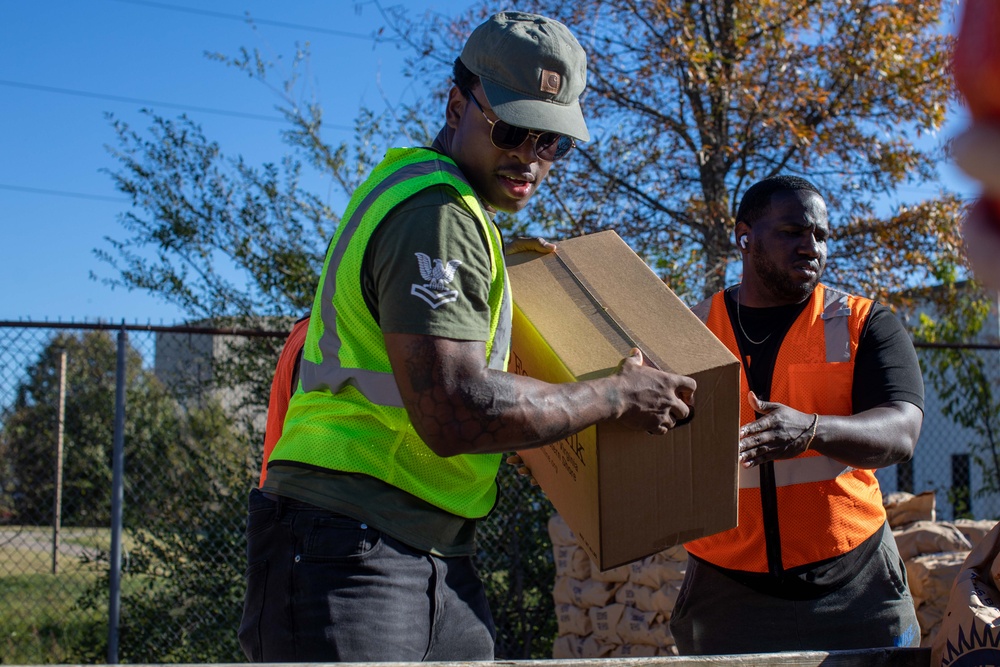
(551, 82)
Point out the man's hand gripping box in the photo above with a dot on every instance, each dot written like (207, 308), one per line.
(626, 494)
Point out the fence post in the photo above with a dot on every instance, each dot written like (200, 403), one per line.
(117, 497)
(60, 431)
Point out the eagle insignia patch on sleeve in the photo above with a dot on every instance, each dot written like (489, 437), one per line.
(438, 274)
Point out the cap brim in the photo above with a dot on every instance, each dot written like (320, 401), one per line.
(534, 114)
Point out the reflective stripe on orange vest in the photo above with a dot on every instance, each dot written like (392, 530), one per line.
(796, 471)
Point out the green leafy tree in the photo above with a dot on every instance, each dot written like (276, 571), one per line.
(182, 586)
(187, 466)
(966, 380)
(28, 436)
(206, 207)
(691, 102)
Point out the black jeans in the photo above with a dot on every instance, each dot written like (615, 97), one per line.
(322, 587)
(717, 615)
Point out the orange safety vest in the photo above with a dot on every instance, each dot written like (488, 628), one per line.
(282, 389)
(825, 508)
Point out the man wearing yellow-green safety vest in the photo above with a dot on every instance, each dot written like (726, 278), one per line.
(831, 391)
(360, 539)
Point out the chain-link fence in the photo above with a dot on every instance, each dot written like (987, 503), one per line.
(958, 454)
(195, 401)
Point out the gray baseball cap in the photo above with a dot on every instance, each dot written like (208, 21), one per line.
(533, 72)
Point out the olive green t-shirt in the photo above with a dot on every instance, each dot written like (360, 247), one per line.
(435, 224)
(432, 223)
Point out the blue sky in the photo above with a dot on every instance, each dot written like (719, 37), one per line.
(65, 63)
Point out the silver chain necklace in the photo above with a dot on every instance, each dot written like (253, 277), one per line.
(740, 322)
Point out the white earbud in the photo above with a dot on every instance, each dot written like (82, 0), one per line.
(743, 241)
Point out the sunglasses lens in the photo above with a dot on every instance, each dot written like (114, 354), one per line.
(552, 146)
(548, 145)
(506, 136)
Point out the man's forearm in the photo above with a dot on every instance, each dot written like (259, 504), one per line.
(876, 438)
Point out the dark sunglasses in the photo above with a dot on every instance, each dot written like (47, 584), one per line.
(549, 146)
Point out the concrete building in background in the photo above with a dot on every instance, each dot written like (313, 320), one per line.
(198, 368)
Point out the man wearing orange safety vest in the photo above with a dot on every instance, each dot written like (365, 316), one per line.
(831, 391)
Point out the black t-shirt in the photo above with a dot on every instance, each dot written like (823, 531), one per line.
(885, 369)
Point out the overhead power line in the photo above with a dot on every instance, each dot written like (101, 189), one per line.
(250, 19)
(137, 100)
(154, 103)
(60, 193)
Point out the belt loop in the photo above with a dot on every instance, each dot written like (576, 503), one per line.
(280, 501)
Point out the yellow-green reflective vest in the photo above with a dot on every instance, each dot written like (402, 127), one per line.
(347, 414)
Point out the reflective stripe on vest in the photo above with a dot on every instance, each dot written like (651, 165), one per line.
(380, 387)
(796, 471)
(347, 415)
(835, 326)
(837, 332)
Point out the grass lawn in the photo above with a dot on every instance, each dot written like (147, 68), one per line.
(40, 617)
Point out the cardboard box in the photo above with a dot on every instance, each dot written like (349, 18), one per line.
(626, 494)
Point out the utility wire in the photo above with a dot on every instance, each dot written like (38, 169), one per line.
(60, 193)
(248, 19)
(136, 100)
(171, 105)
